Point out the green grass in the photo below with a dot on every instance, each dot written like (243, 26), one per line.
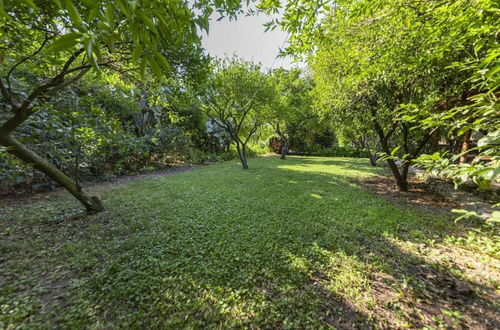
(286, 244)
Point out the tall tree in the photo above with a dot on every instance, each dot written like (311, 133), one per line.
(292, 108)
(415, 68)
(61, 41)
(237, 96)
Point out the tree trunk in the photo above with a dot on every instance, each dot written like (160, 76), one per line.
(404, 176)
(244, 156)
(373, 157)
(284, 150)
(92, 204)
(465, 146)
(400, 180)
(242, 153)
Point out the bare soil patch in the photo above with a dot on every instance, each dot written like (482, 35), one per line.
(418, 197)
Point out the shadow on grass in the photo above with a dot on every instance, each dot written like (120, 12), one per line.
(280, 245)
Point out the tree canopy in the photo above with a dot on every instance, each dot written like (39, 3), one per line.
(427, 69)
(237, 97)
(58, 42)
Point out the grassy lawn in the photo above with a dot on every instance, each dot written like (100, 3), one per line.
(286, 244)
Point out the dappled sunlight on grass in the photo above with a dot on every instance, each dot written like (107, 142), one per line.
(291, 243)
(347, 167)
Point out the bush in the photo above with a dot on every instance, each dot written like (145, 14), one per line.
(333, 152)
(260, 148)
(197, 156)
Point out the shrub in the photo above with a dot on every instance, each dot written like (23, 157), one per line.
(333, 152)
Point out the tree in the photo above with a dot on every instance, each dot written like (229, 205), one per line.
(402, 64)
(61, 41)
(292, 108)
(237, 96)
(356, 129)
(374, 92)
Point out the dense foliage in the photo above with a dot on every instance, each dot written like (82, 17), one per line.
(412, 77)
(98, 129)
(50, 45)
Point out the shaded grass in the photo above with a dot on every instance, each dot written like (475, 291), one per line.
(290, 243)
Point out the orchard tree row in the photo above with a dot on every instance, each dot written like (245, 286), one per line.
(417, 81)
(90, 88)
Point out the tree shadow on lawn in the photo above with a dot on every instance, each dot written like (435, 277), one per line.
(296, 248)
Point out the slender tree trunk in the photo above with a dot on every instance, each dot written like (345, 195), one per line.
(404, 176)
(284, 149)
(372, 157)
(383, 137)
(373, 160)
(242, 154)
(400, 180)
(465, 146)
(92, 204)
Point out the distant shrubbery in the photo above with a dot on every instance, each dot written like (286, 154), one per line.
(317, 148)
(94, 132)
(197, 156)
(333, 152)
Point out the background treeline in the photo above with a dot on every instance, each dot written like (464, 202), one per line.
(111, 124)
(91, 89)
(415, 81)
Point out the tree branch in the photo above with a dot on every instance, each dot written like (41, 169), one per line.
(38, 50)
(7, 95)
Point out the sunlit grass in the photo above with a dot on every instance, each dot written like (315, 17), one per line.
(292, 243)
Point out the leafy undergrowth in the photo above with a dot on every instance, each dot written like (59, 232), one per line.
(286, 244)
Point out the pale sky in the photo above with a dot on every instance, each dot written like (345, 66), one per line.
(246, 38)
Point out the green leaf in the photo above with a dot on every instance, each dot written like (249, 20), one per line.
(142, 66)
(123, 6)
(393, 152)
(110, 16)
(495, 217)
(149, 23)
(136, 52)
(436, 156)
(30, 4)
(464, 214)
(155, 67)
(162, 61)
(2, 10)
(64, 42)
(462, 130)
(74, 14)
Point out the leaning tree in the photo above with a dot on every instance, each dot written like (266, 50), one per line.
(61, 41)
